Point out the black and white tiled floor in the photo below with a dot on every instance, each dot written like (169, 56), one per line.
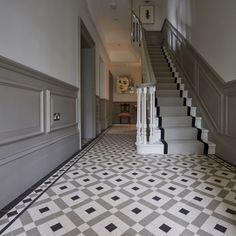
(108, 189)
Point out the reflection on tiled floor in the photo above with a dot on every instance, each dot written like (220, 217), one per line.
(110, 190)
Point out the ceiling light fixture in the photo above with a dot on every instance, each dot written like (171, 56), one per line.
(113, 6)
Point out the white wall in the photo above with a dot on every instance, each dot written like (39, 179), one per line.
(209, 25)
(124, 69)
(44, 35)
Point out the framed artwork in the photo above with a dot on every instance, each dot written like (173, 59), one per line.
(146, 14)
(124, 84)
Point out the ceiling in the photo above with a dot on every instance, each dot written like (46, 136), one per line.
(112, 20)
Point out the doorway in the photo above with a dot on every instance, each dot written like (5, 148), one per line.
(88, 87)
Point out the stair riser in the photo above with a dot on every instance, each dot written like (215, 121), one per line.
(183, 134)
(167, 86)
(165, 74)
(186, 149)
(173, 111)
(170, 102)
(171, 80)
(176, 121)
(168, 93)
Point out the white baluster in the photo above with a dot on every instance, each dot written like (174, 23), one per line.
(144, 116)
(151, 114)
(138, 125)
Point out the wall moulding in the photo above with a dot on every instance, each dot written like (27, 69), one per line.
(16, 123)
(27, 149)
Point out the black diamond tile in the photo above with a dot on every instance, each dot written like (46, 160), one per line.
(136, 210)
(172, 188)
(56, 227)
(151, 180)
(184, 211)
(175, 168)
(163, 173)
(63, 187)
(135, 188)
(225, 173)
(27, 200)
(75, 173)
(90, 210)
(12, 213)
(165, 228)
(208, 188)
(184, 180)
(55, 175)
(105, 173)
(76, 197)
(115, 198)
(45, 209)
(156, 198)
(148, 168)
(193, 173)
(134, 173)
(121, 168)
(94, 168)
(111, 227)
(86, 180)
(220, 228)
(217, 181)
(230, 211)
(99, 188)
(118, 180)
(198, 199)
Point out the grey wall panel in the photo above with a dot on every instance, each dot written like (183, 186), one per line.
(215, 99)
(211, 99)
(231, 116)
(19, 175)
(65, 106)
(21, 113)
(28, 152)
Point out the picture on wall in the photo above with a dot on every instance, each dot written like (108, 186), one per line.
(147, 14)
(124, 84)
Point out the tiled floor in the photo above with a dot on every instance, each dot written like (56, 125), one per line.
(110, 190)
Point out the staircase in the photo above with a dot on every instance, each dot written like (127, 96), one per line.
(180, 130)
(167, 123)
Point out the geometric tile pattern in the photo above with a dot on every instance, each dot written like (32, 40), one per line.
(108, 189)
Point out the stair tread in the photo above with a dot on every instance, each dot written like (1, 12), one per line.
(181, 127)
(185, 141)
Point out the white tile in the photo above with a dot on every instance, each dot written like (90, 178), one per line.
(154, 226)
(136, 211)
(156, 199)
(35, 213)
(86, 216)
(189, 213)
(193, 196)
(115, 198)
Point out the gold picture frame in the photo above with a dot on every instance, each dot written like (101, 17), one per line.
(124, 84)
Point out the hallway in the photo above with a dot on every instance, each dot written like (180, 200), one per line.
(108, 189)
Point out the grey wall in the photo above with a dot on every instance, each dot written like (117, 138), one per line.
(31, 142)
(216, 99)
(88, 94)
(44, 35)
